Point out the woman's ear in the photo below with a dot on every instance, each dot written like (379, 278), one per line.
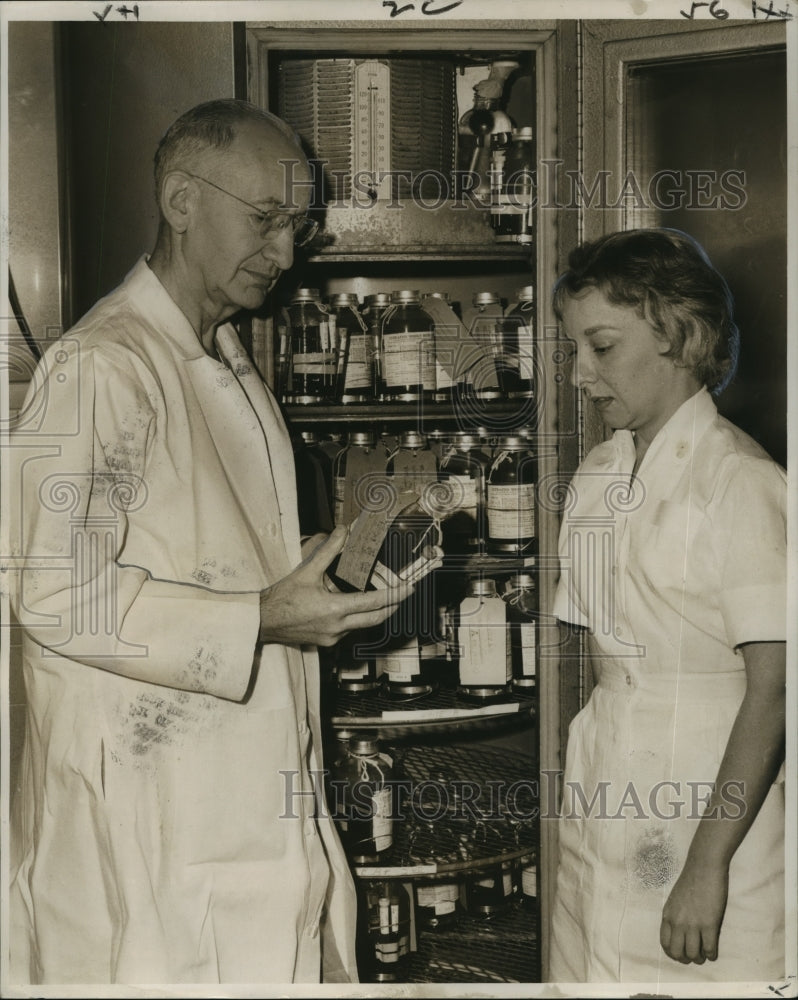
(178, 198)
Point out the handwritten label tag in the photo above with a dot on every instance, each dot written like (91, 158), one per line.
(365, 539)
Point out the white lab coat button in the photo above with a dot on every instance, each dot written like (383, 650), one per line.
(272, 529)
(619, 630)
(313, 930)
(629, 679)
(310, 827)
(303, 727)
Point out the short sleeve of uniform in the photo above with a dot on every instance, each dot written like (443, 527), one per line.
(749, 523)
(568, 606)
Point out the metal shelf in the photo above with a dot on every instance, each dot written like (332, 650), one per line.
(439, 712)
(503, 949)
(419, 414)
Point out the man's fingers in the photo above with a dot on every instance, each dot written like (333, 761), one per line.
(324, 554)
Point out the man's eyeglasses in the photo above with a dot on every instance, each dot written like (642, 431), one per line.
(266, 224)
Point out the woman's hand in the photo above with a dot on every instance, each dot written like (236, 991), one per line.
(692, 916)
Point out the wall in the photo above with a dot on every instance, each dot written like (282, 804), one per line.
(33, 177)
(124, 84)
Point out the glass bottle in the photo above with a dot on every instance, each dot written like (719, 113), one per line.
(529, 882)
(438, 902)
(520, 595)
(510, 503)
(364, 785)
(358, 377)
(360, 456)
(408, 350)
(355, 670)
(313, 349)
(484, 666)
(491, 891)
(384, 931)
(331, 444)
(443, 379)
(374, 308)
(517, 369)
(465, 467)
(413, 465)
(323, 490)
(486, 327)
(513, 219)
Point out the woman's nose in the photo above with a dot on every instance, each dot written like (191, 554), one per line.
(581, 369)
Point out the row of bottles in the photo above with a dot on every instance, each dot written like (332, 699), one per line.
(488, 499)
(485, 644)
(403, 346)
(392, 913)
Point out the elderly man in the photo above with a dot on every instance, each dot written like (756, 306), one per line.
(170, 824)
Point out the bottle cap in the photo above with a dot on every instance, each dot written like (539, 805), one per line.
(342, 300)
(482, 586)
(485, 298)
(412, 439)
(404, 296)
(526, 294)
(364, 743)
(305, 295)
(378, 299)
(361, 438)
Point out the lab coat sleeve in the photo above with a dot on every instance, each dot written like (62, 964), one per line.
(79, 467)
(750, 541)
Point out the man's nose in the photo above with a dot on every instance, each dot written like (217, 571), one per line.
(279, 248)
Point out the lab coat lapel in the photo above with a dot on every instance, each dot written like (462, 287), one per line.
(238, 439)
(280, 454)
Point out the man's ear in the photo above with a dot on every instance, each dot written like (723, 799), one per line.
(178, 200)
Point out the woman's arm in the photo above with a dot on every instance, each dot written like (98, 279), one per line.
(692, 916)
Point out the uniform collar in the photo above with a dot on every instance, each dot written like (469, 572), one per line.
(162, 312)
(676, 441)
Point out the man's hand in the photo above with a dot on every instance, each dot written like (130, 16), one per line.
(693, 914)
(299, 610)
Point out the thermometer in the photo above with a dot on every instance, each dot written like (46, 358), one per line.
(373, 128)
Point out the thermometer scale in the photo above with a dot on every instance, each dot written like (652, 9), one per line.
(372, 138)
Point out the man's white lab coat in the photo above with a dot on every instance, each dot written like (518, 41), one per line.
(167, 828)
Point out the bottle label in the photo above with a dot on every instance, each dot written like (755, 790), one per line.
(465, 493)
(507, 883)
(440, 898)
(511, 511)
(358, 366)
(482, 637)
(529, 880)
(401, 665)
(528, 645)
(382, 822)
(316, 363)
(354, 673)
(408, 359)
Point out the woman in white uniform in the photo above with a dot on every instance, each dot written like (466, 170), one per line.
(673, 557)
